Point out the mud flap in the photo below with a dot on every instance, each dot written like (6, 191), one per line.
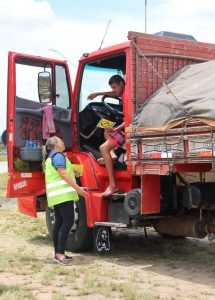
(102, 239)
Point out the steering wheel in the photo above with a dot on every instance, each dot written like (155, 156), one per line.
(115, 112)
(114, 115)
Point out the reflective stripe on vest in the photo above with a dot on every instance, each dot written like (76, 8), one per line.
(58, 190)
(61, 191)
(57, 183)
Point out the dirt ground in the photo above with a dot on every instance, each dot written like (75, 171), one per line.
(137, 269)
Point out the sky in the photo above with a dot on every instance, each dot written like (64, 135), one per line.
(73, 27)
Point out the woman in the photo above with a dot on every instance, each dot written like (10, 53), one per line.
(61, 191)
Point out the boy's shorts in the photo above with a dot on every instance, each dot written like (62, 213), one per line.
(117, 138)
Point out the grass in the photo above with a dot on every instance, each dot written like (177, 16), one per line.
(58, 296)
(23, 226)
(93, 284)
(14, 292)
(56, 270)
(13, 225)
(131, 272)
(106, 282)
(19, 262)
(3, 184)
(130, 292)
(124, 290)
(36, 266)
(48, 277)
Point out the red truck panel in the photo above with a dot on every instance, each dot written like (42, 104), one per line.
(150, 194)
(154, 59)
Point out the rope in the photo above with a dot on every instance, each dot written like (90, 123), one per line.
(181, 139)
(166, 150)
(178, 143)
(212, 148)
(166, 86)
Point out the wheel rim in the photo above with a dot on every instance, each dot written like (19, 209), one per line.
(76, 219)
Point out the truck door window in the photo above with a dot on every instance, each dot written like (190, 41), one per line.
(95, 79)
(26, 81)
(62, 92)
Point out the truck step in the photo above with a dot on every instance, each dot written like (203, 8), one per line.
(116, 196)
(110, 224)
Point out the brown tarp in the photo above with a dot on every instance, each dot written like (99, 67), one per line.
(194, 90)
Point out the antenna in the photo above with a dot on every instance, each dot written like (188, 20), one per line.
(64, 57)
(145, 15)
(105, 33)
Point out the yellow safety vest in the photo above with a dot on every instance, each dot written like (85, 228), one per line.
(57, 189)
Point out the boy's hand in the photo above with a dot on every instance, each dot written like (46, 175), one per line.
(92, 96)
(110, 130)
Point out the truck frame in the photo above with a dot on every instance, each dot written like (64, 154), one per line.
(155, 189)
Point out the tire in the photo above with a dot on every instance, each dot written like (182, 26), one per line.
(80, 237)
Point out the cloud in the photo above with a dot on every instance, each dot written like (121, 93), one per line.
(31, 26)
(25, 11)
(194, 17)
(18, 21)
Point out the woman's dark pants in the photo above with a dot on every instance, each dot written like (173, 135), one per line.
(64, 219)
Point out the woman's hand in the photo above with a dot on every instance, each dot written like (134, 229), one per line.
(65, 176)
(82, 192)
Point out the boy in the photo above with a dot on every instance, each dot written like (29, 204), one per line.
(115, 137)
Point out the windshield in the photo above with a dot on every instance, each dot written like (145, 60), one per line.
(95, 79)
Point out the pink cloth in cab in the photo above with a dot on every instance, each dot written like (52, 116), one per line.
(48, 126)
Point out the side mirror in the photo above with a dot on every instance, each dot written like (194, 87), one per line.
(44, 87)
(4, 137)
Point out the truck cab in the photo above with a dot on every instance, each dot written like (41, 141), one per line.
(36, 82)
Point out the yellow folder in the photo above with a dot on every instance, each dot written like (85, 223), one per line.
(104, 123)
(78, 169)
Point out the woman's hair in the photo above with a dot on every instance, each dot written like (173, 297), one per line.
(50, 145)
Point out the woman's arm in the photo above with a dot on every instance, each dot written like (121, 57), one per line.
(65, 176)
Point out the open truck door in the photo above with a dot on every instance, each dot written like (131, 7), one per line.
(33, 84)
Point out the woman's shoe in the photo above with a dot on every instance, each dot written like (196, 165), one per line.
(63, 262)
(68, 257)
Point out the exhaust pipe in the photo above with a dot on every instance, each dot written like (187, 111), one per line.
(184, 227)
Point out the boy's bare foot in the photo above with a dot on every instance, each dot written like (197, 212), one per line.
(101, 160)
(109, 191)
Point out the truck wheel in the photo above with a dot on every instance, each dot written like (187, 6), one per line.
(80, 237)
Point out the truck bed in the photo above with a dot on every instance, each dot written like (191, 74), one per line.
(155, 58)
(187, 145)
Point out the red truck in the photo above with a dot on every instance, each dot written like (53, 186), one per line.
(173, 195)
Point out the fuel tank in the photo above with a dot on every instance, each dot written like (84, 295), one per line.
(186, 226)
